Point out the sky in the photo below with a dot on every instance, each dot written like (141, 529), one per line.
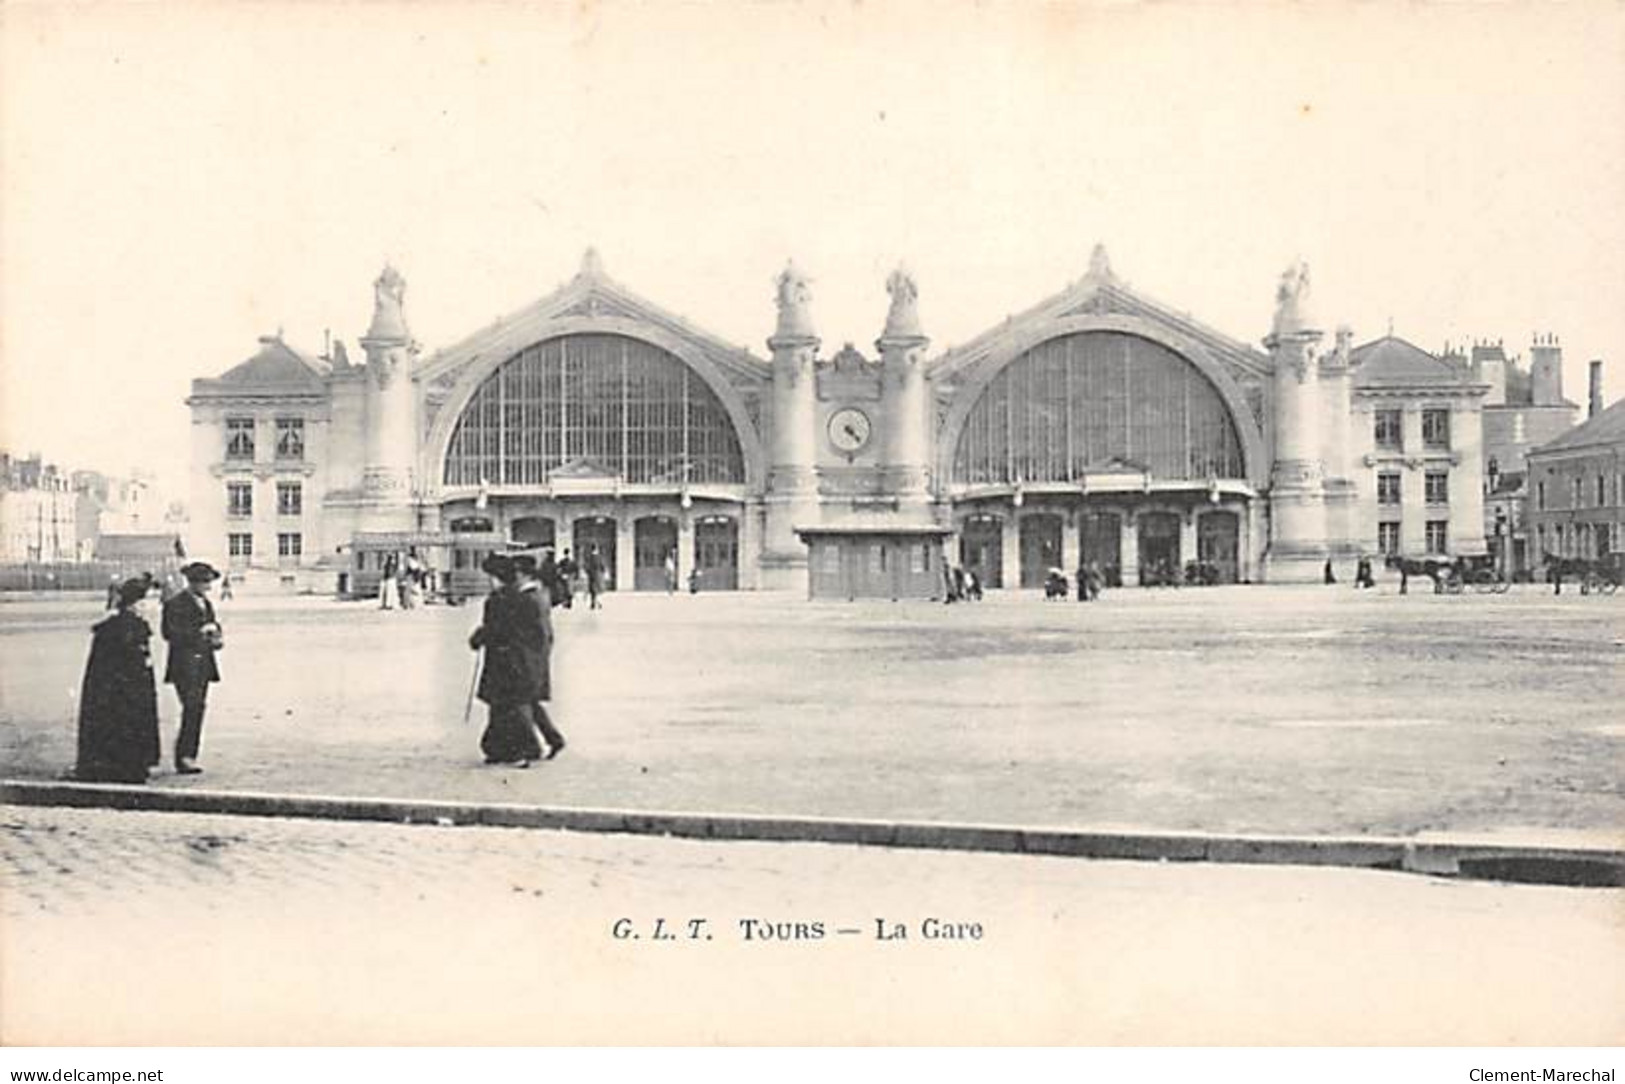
(177, 179)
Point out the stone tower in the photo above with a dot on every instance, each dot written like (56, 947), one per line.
(1343, 535)
(387, 480)
(1297, 542)
(904, 453)
(792, 489)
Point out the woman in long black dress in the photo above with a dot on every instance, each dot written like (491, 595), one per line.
(510, 634)
(118, 706)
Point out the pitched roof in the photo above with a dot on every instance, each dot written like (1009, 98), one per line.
(1391, 361)
(1607, 427)
(1100, 291)
(277, 365)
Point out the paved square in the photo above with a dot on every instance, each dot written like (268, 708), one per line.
(1279, 710)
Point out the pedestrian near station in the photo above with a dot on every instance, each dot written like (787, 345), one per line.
(510, 635)
(194, 637)
(118, 703)
(534, 585)
(594, 568)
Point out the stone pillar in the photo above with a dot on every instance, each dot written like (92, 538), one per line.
(1129, 548)
(1010, 549)
(1297, 545)
(904, 453)
(1187, 539)
(792, 496)
(685, 546)
(625, 550)
(1466, 480)
(1343, 539)
(1071, 542)
(387, 481)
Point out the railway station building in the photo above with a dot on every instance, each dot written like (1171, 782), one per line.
(1099, 425)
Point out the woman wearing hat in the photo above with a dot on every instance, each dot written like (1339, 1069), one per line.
(515, 654)
(118, 705)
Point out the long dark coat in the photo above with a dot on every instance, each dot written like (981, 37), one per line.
(511, 633)
(541, 597)
(118, 705)
(191, 655)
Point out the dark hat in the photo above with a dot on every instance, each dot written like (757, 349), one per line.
(199, 572)
(135, 589)
(524, 564)
(498, 565)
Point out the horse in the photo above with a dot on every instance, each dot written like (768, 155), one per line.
(1603, 575)
(1434, 569)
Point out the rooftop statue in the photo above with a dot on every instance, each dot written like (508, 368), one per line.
(1292, 300)
(794, 297)
(388, 300)
(904, 317)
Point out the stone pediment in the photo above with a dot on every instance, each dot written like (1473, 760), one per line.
(1099, 294)
(590, 298)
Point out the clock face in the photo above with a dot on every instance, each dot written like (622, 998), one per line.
(849, 429)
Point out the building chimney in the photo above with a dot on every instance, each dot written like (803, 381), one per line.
(1546, 371)
(1489, 365)
(1594, 392)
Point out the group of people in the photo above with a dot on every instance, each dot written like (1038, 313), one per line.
(515, 672)
(118, 704)
(1089, 582)
(405, 581)
(963, 585)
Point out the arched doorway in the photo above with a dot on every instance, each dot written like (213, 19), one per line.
(716, 553)
(532, 531)
(1040, 547)
(599, 532)
(1159, 548)
(1102, 543)
(981, 549)
(1218, 537)
(654, 542)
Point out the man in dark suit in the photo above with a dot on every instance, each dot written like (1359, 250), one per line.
(193, 635)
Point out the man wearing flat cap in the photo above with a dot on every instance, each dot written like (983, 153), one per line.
(193, 634)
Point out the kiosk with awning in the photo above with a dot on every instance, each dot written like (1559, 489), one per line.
(891, 561)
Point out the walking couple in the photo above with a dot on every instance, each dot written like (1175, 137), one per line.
(516, 634)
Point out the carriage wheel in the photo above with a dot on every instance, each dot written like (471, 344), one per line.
(1608, 586)
(1502, 585)
(1484, 581)
(1591, 582)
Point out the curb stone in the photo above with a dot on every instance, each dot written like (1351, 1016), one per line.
(1523, 863)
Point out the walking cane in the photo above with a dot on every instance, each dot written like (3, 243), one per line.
(473, 683)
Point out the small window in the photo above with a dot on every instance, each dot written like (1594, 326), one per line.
(1388, 488)
(1438, 536)
(1436, 429)
(1436, 487)
(1579, 493)
(290, 544)
(831, 552)
(290, 438)
(1602, 492)
(917, 565)
(1389, 427)
(240, 439)
(239, 498)
(240, 544)
(1540, 495)
(1388, 539)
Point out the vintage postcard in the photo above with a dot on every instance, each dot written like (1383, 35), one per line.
(932, 524)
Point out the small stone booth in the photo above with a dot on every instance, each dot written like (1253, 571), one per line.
(889, 561)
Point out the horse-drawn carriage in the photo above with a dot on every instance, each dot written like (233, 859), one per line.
(1602, 576)
(1452, 575)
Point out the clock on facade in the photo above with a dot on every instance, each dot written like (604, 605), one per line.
(849, 430)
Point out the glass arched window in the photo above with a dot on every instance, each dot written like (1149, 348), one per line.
(612, 403)
(1074, 404)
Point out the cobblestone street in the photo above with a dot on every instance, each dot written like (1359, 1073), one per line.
(146, 928)
(1244, 710)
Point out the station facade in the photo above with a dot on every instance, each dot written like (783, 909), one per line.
(1098, 426)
